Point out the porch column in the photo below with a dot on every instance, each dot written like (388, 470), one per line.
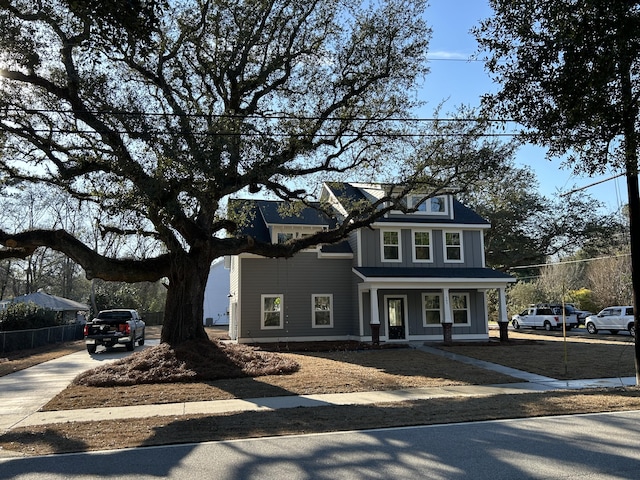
(375, 316)
(503, 318)
(447, 320)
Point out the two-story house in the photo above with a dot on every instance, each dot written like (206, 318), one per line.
(409, 276)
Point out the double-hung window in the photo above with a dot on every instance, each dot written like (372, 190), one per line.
(460, 308)
(271, 311)
(422, 246)
(453, 246)
(391, 247)
(431, 309)
(322, 311)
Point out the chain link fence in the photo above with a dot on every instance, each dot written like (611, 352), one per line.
(23, 339)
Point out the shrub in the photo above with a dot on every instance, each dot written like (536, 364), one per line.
(27, 316)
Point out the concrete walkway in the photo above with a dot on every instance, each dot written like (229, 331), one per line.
(23, 393)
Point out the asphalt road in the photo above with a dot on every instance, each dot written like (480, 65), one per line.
(597, 446)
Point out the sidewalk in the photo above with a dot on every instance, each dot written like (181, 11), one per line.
(31, 395)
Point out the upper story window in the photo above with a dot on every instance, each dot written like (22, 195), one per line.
(284, 237)
(430, 206)
(422, 246)
(453, 246)
(391, 248)
(282, 234)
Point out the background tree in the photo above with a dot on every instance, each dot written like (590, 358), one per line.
(528, 228)
(569, 74)
(156, 117)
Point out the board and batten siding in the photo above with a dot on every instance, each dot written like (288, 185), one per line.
(415, 312)
(471, 243)
(297, 279)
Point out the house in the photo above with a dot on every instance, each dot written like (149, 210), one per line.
(216, 295)
(69, 311)
(409, 276)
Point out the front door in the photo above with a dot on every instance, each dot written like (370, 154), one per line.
(395, 314)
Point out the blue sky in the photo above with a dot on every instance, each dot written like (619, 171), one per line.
(459, 81)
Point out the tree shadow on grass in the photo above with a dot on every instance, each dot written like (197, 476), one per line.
(48, 440)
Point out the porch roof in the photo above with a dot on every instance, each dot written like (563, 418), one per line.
(431, 273)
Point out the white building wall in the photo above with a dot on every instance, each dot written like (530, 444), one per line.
(216, 300)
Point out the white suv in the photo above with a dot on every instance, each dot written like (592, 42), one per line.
(613, 319)
(544, 316)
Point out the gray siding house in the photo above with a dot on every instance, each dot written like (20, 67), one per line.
(411, 276)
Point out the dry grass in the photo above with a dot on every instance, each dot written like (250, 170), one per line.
(345, 371)
(78, 436)
(548, 354)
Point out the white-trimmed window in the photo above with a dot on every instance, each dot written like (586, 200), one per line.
(453, 246)
(284, 237)
(391, 245)
(460, 308)
(271, 311)
(431, 309)
(430, 206)
(322, 311)
(421, 246)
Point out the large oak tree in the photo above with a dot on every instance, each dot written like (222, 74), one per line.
(157, 114)
(569, 73)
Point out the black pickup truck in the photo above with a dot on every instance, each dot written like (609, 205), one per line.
(114, 327)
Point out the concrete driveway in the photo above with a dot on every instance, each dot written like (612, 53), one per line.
(26, 391)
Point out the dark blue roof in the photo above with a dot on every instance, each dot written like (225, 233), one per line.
(262, 213)
(275, 212)
(345, 191)
(432, 272)
(340, 247)
(462, 214)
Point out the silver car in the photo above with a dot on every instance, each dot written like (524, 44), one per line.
(613, 319)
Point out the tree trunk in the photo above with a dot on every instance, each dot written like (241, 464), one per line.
(185, 298)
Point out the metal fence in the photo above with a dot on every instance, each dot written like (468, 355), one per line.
(23, 339)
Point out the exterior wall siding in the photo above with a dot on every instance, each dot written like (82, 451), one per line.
(471, 244)
(414, 315)
(297, 279)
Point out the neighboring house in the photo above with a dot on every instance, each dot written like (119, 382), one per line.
(69, 310)
(216, 295)
(415, 276)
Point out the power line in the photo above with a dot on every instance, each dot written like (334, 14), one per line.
(569, 262)
(274, 116)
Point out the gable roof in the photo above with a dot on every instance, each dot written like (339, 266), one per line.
(51, 302)
(346, 193)
(265, 213)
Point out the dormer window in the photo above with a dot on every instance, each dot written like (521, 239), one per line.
(430, 206)
(284, 237)
(282, 234)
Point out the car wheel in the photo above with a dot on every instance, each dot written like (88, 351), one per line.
(632, 330)
(131, 345)
(515, 324)
(141, 341)
(547, 325)
(591, 328)
(91, 349)
(613, 332)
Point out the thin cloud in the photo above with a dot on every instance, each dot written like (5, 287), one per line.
(444, 55)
